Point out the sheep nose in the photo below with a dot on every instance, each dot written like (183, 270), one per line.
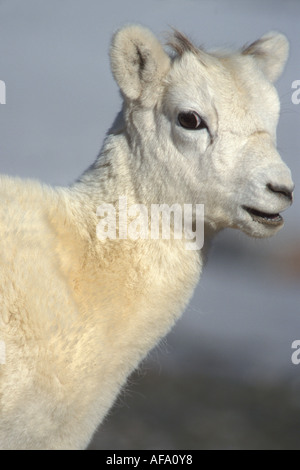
(282, 190)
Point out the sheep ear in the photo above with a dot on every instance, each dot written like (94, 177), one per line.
(270, 52)
(138, 62)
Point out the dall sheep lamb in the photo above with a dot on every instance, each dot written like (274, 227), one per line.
(85, 291)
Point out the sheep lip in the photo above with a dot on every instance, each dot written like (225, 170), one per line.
(263, 217)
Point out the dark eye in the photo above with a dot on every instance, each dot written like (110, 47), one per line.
(191, 120)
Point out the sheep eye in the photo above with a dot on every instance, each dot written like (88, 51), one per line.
(191, 120)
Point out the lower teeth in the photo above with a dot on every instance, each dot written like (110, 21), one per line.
(265, 217)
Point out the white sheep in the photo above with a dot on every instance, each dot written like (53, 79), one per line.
(80, 311)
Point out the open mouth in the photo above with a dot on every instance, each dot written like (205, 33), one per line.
(263, 217)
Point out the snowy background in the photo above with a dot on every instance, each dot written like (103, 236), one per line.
(223, 378)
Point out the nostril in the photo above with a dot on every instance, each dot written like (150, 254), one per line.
(283, 190)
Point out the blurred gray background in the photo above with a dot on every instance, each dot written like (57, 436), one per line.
(223, 378)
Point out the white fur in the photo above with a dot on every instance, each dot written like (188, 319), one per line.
(78, 314)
